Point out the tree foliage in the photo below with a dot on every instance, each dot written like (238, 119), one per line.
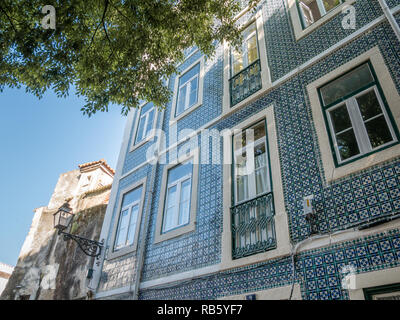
(110, 51)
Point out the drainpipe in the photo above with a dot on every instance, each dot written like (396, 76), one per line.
(134, 287)
(390, 18)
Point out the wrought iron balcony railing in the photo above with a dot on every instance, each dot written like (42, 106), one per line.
(245, 83)
(253, 227)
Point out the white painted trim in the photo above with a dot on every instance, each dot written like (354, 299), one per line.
(113, 292)
(277, 293)
(372, 279)
(187, 275)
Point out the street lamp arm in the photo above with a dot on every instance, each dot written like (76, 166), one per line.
(91, 248)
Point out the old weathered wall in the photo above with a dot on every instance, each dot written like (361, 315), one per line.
(51, 268)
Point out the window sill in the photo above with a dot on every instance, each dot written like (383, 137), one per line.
(121, 252)
(141, 143)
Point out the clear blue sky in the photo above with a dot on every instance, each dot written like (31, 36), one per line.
(39, 140)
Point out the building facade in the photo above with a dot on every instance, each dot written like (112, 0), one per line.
(274, 170)
(48, 267)
(5, 273)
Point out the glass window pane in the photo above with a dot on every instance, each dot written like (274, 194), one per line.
(193, 92)
(179, 171)
(369, 105)
(169, 219)
(242, 188)
(346, 84)
(310, 11)
(249, 30)
(171, 197)
(140, 131)
(132, 225)
(122, 228)
(184, 209)
(146, 108)
(330, 4)
(378, 131)
(237, 61)
(185, 190)
(132, 196)
(189, 74)
(340, 118)
(252, 49)
(347, 144)
(260, 158)
(181, 99)
(149, 122)
(261, 180)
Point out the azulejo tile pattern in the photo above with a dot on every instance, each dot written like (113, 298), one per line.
(351, 201)
(319, 272)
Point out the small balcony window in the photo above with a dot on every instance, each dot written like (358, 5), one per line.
(253, 211)
(245, 67)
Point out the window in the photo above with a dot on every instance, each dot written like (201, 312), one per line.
(248, 52)
(128, 218)
(177, 206)
(188, 90)
(358, 120)
(251, 163)
(146, 122)
(313, 10)
(387, 292)
(252, 213)
(178, 196)
(245, 67)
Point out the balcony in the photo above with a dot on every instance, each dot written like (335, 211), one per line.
(253, 228)
(245, 83)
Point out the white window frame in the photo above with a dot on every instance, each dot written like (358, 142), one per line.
(330, 170)
(146, 124)
(178, 183)
(129, 208)
(188, 83)
(200, 84)
(358, 125)
(151, 134)
(296, 18)
(114, 253)
(161, 235)
(262, 52)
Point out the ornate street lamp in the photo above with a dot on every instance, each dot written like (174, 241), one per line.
(63, 221)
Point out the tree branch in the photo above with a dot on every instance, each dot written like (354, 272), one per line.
(101, 22)
(9, 19)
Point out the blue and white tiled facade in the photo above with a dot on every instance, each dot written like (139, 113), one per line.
(342, 204)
